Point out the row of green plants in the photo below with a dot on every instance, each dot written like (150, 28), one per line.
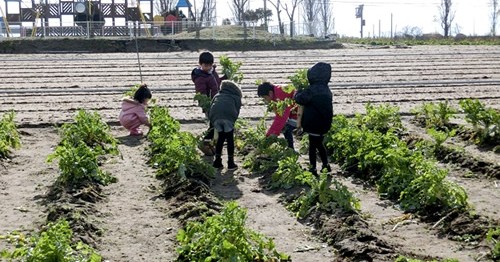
(224, 237)
(54, 242)
(174, 151)
(369, 145)
(220, 237)
(84, 143)
(9, 136)
(485, 121)
(271, 154)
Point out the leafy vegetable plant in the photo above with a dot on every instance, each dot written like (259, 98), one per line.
(486, 121)
(173, 150)
(9, 136)
(54, 243)
(78, 164)
(204, 101)
(322, 197)
(230, 69)
(435, 115)
(223, 237)
(92, 130)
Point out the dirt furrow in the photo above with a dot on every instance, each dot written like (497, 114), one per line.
(404, 230)
(135, 223)
(24, 179)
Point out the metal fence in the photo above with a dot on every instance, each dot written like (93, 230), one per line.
(156, 29)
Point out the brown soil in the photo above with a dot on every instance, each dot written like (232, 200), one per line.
(135, 220)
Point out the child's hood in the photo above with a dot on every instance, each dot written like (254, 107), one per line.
(320, 73)
(230, 88)
(129, 103)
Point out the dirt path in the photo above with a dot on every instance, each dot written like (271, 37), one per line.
(269, 217)
(135, 223)
(410, 234)
(24, 179)
(265, 214)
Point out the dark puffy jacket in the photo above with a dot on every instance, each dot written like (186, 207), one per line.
(317, 100)
(227, 103)
(206, 82)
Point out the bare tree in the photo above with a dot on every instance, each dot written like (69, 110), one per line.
(238, 8)
(310, 11)
(277, 6)
(446, 16)
(494, 17)
(202, 14)
(326, 17)
(163, 7)
(290, 11)
(411, 31)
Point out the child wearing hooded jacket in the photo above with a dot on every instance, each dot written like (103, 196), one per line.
(223, 114)
(133, 113)
(318, 112)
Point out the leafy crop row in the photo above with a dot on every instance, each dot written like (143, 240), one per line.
(83, 142)
(485, 121)
(175, 151)
(369, 145)
(220, 237)
(53, 243)
(272, 155)
(224, 237)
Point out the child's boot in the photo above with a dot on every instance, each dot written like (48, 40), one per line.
(230, 163)
(218, 162)
(312, 169)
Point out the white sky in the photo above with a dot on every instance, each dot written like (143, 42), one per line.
(473, 17)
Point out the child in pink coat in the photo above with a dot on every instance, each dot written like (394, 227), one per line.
(133, 113)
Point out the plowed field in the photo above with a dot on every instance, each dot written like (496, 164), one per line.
(46, 90)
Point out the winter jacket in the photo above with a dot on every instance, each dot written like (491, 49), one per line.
(206, 82)
(133, 114)
(281, 119)
(317, 100)
(226, 104)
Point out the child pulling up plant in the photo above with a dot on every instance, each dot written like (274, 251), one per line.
(133, 113)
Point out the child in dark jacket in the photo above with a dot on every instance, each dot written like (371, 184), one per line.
(318, 112)
(133, 113)
(206, 82)
(223, 114)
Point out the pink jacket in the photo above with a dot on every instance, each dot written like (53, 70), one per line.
(290, 111)
(133, 114)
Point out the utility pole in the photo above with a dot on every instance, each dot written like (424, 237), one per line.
(391, 28)
(359, 14)
(265, 14)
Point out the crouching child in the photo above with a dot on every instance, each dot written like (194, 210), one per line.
(133, 113)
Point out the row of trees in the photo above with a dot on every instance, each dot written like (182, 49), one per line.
(318, 14)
